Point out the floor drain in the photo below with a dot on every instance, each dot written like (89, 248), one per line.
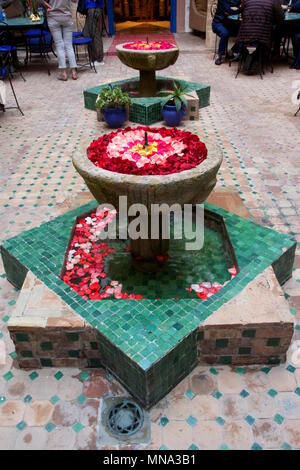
(125, 418)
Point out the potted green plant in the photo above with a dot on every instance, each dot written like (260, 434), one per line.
(174, 105)
(113, 104)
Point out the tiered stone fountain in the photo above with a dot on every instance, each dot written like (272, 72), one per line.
(145, 91)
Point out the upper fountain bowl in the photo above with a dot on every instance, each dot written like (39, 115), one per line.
(147, 60)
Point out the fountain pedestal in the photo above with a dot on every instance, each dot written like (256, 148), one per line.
(147, 84)
(149, 255)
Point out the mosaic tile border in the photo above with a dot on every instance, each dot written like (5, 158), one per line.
(147, 110)
(150, 365)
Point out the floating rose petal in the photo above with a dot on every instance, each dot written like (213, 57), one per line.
(233, 271)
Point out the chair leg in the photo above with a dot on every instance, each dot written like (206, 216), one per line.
(92, 63)
(216, 44)
(260, 59)
(271, 62)
(288, 45)
(22, 76)
(297, 111)
(240, 62)
(12, 89)
(27, 51)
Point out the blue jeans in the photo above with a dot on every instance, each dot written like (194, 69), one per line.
(62, 36)
(220, 30)
(296, 44)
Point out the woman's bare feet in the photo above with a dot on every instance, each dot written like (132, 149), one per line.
(63, 75)
(74, 74)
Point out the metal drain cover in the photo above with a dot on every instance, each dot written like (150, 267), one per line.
(124, 418)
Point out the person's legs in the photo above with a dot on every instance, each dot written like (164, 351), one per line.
(56, 31)
(67, 32)
(223, 33)
(278, 34)
(296, 47)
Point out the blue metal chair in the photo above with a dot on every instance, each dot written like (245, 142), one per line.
(39, 41)
(77, 34)
(86, 42)
(5, 72)
(8, 49)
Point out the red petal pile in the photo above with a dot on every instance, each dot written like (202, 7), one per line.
(195, 152)
(85, 262)
(149, 46)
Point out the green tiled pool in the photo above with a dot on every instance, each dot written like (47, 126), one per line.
(147, 110)
(150, 345)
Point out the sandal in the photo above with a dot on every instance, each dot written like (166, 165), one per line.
(74, 75)
(63, 75)
(64, 78)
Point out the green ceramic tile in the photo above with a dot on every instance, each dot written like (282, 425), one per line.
(54, 399)
(278, 418)
(84, 375)
(273, 342)
(256, 446)
(33, 375)
(21, 425)
(77, 427)
(163, 421)
(250, 333)
(50, 426)
(58, 375)
(9, 375)
(221, 343)
(250, 420)
(192, 421)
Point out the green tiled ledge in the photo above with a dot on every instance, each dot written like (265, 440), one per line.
(147, 110)
(148, 364)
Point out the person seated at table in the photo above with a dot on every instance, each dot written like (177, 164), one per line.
(294, 7)
(220, 25)
(93, 29)
(288, 28)
(258, 18)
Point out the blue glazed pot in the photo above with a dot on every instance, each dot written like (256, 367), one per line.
(114, 117)
(172, 116)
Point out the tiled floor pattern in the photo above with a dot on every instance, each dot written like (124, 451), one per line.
(218, 408)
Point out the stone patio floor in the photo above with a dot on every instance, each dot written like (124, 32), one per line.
(214, 408)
